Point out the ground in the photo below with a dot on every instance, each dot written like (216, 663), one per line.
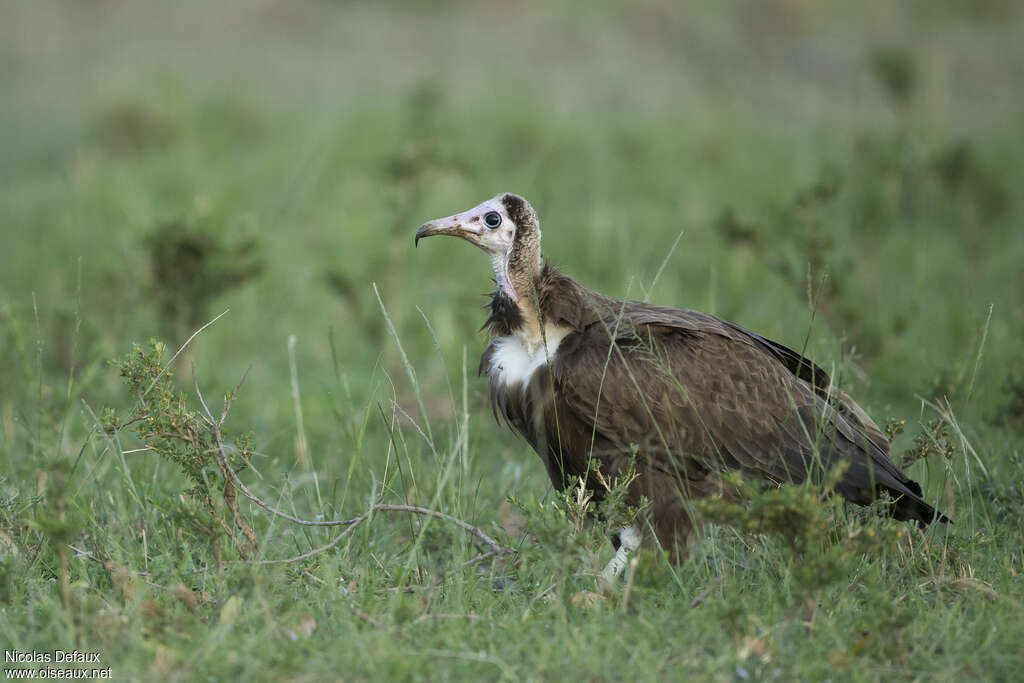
(841, 181)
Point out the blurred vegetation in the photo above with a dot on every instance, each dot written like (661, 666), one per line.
(844, 179)
(190, 269)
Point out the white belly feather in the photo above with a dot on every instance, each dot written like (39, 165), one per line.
(512, 361)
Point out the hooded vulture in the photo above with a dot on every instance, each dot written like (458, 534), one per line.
(591, 380)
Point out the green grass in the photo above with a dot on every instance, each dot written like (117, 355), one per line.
(787, 143)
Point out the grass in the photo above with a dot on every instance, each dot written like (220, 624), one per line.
(803, 154)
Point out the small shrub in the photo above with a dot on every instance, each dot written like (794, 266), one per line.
(807, 519)
(933, 440)
(190, 440)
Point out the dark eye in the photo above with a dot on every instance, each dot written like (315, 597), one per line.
(492, 219)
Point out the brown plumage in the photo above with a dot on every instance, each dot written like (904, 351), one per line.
(583, 376)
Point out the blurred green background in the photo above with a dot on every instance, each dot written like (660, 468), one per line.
(164, 162)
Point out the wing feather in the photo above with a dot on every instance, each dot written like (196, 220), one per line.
(684, 387)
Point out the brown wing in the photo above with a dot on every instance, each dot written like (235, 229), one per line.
(821, 383)
(683, 387)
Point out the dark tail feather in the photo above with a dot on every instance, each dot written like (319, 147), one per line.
(863, 487)
(909, 506)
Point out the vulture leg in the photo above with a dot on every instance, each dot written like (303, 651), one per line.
(671, 519)
(629, 540)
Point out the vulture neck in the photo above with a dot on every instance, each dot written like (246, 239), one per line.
(517, 305)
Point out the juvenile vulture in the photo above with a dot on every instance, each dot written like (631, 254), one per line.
(588, 379)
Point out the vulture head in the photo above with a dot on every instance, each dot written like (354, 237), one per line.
(505, 227)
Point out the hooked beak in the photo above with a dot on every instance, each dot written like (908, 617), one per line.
(452, 225)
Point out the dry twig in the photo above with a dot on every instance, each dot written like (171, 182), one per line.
(231, 477)
(703, 595)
